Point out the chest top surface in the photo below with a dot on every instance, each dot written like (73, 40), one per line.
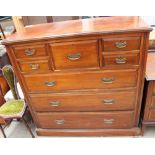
(81, 27)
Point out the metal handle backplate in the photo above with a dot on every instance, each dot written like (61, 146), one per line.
(73, 57)
(34, 66)
(120, 60)
(30, 52)
(121, 44)
(108, 80)
(108, 101)
(50, 83)
(108, 121)
(54, 103)
(60, 121)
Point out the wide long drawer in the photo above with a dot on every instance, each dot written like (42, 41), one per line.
(77, 80)
(84, 120)
(92, 101)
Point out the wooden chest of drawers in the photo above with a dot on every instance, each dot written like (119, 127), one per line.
(83, 77)
(148, 113)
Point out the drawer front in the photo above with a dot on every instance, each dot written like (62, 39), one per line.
(121, 59)
(30, 51)
(83, 102)
(34, 66)
(72, 55)
(89, 80)
(152, 115)
(85, 120)
(127, 43)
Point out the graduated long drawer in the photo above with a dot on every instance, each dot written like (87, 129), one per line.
(88, 80)
(86, 101)
(84, 120)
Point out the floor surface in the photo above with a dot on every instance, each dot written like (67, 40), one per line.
(18, 130)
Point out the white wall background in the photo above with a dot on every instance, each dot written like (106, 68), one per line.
(149, 19)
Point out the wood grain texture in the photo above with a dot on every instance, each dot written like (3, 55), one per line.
(130, 43)
(81, 86)
(150, 72)
(148, 118)
(71, 55)
(120, 60)
(152, 115)
(153, 101)
(88, 80)
(148, 93)
(86, 101)
(34, 66)
(86, 120)
(2, 121)
(79, 28)
(89, 132)
(30, 51)
(3, 85)
(4, 88)
(149, 105)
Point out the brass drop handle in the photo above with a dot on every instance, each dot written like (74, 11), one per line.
(121, 44)
(60, 121)
(73, 57)
(108, 121)
(34, 66)
(50, 83)
(108, 80)
(54, 103)
(108, 101)
(120, 60)
(30, 52)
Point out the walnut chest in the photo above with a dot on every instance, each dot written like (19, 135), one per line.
(148, 111)
(82, 77)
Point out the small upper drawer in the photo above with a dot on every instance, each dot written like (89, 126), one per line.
(34, 66)
(120, 60)
(30, 51)
(70, 55)
(115, 44)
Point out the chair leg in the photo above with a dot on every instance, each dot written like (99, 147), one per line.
(28, 127)
(8, 123)
(2, 131)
